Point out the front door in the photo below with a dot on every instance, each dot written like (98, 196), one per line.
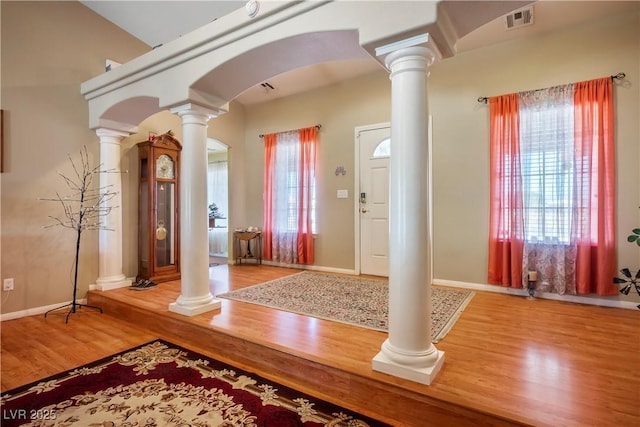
(374, 153)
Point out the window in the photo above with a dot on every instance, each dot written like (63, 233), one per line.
(552, 188)
(546, 155)
(287, 170)
(383, 149)
(218, 194)
(290, 196)
(290, 214)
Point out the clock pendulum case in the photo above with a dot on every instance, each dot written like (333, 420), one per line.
(158, 209)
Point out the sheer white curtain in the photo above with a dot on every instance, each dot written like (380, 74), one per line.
(547, 164)
(218, 191)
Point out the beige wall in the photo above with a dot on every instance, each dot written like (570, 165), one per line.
(48, 50)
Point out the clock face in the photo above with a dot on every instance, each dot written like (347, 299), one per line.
(164, 167)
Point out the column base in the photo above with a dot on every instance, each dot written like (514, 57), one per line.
(194, 306)
(425, 375)
(114, 282)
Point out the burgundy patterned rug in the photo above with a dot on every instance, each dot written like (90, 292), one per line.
(161, 384)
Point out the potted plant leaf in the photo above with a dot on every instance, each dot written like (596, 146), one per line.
(628, 279)
(214, 213)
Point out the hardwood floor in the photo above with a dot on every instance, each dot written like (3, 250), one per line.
(509, 360)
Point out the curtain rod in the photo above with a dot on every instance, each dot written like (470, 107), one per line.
(316, 126)
(619, 76)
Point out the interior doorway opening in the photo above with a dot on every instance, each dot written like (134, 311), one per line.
(218, 201)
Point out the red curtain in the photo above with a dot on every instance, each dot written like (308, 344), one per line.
(594, 218)
(305, 153)
(267, 229)
(595, 183)
(506, 227)
(308, 138)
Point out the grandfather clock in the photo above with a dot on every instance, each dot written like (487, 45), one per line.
(158, 209)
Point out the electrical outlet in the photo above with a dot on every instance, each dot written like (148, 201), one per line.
(7, 285)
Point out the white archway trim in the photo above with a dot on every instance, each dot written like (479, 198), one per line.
(170, 72)
(117, 126)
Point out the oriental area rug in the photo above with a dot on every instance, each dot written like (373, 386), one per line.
(160, 384)
(348, 299)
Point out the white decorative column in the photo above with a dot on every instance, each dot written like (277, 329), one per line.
(195, 296)
(408, 351)
(110, 275)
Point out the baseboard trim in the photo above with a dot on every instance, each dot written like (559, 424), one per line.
(600, 301)
(36, 310)
(311, 267)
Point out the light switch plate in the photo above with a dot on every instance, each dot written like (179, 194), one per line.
(343, 194)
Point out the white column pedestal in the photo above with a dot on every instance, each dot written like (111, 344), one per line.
(194, 306)
(408, 351)
(110, 274)
(382, 363)
(195, 296)
(113, 282)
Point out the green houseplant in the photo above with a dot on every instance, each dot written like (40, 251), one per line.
(214, 213)
(634, 236)
(628, 280)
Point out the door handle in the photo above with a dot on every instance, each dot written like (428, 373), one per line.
(363, 210)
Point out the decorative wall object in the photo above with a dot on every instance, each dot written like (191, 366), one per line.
(1, 141)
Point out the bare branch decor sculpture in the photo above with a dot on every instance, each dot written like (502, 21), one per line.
(85, 208)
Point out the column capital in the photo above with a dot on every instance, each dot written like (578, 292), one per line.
(421, 46)
(196, 112)
(111, 135)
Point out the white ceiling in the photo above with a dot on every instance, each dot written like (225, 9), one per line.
(158, 22)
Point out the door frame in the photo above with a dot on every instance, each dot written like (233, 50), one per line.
(213, 145)
(356, 187)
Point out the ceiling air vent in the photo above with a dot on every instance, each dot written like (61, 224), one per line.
(268, 87)
(519, 18)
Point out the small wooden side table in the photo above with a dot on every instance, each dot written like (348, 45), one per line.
(247, 251)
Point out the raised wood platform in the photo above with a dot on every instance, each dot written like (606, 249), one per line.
(509, 360)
